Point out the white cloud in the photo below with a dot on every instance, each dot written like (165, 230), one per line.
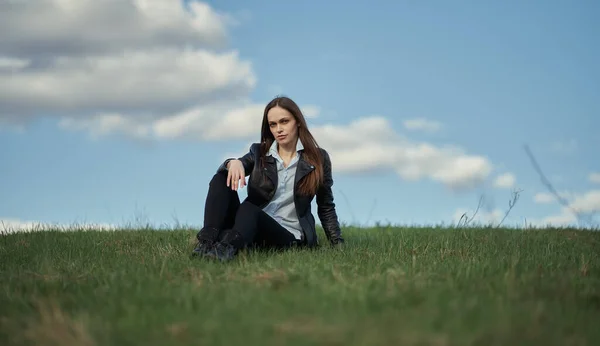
(241, 122)
(546, 197)
(422, 124)
(370, 143)
(586, 204)
(311, 111)
(142, 60)
(563, 219)
(217, 121)
(138, 83)
(505, 181)
(580, 210)
(83, 27)
(12, 64)
(104, 124)
(594, 178)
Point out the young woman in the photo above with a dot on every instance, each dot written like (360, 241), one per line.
(287, 170)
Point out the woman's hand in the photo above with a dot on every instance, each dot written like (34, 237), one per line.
(235, 173)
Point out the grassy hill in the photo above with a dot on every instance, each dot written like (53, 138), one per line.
(388, 286)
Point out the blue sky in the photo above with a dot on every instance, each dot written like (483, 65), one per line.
(140, 142)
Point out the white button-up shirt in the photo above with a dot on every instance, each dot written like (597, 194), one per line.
(282, 207)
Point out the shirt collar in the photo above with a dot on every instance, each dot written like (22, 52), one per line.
(273, 149)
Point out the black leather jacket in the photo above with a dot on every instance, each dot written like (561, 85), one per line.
(261, 189)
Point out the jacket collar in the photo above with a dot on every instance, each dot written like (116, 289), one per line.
(302, 169)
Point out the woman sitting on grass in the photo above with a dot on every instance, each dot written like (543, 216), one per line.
(287, 170)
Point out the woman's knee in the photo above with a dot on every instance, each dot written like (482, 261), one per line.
(248, 207)
(219, 180)
(247, 213)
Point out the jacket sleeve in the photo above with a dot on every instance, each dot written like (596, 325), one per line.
(326, 206)
(247, 160)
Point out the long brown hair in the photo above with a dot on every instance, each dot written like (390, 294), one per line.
(309, 184)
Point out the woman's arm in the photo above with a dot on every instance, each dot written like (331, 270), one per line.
(326, 206)
(247, 160)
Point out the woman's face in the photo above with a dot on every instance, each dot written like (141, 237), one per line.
(283, 126)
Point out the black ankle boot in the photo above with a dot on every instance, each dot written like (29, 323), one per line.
(206, 239)
(226, 249)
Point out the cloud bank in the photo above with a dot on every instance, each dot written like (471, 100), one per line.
(83, 59)
(155, 70)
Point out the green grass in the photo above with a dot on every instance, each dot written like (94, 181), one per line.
(388, 286)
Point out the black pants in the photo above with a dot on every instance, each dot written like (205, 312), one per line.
(224, 212)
